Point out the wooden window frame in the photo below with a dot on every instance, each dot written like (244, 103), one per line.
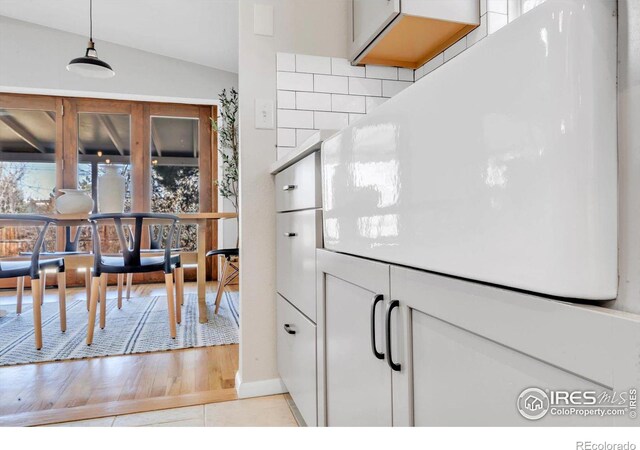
(140, 112)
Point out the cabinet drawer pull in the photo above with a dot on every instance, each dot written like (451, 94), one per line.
(287, 328)
(376, 299)
(289, 187)
(290, 234)
(392, 305)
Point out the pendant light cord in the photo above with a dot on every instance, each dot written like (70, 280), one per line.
(91, 20)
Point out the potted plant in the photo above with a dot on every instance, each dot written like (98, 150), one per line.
(227, 129)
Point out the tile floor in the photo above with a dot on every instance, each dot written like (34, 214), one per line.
(272, 411)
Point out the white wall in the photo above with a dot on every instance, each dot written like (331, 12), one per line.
(34, 58)
(629, 156)
(316, 27)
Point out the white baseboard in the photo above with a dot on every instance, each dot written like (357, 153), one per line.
(259, 388)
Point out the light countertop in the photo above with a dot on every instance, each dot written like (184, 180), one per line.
(309, 146)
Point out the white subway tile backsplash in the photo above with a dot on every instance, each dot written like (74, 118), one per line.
(382, 72)
(455, 49)
(479, 33)
(348, 103)
(405, 74)
(373, 103)
(286, 100)
(282, 151)
(286, 62)
(498, 6)
(331, 84)
(288, 81)
(313, 101)
(329, 93)
(286, 137)
(365, 86)
(342, 66)
(433, 63)
(354, 117)
(288, 118)
(330, 120)
(391, 88)
(495, 21)
(303, 135)
(313, 64)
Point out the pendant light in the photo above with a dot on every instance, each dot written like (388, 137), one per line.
(90, 65)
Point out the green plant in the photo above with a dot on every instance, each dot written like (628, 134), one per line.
(227, 129)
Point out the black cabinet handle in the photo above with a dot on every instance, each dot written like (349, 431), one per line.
(288, 187)
(290, 234)
(287, 328)
(392, 305)
(376, 299)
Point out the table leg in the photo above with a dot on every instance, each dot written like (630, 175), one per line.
(202, 271)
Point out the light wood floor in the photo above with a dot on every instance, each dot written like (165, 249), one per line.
(36, 394)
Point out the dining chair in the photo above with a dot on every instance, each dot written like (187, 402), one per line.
(33, 267)
(229, 271)
(70, 249)
(156, 234)
(131, 260)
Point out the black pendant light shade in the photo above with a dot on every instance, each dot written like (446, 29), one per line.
(90, 65)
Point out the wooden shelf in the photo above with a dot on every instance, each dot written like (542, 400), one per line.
(411, 41)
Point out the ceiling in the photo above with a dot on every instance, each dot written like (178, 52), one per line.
(30, 136)
(199, 31)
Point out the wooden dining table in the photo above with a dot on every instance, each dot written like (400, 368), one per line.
(199, 219)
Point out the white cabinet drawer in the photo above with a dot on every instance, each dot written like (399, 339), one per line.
(298, 187)
(299, 233)
(296, 340)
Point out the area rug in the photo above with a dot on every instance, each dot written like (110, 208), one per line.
(140, 326)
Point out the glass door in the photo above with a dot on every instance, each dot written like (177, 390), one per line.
(28, 171)
(175, 172)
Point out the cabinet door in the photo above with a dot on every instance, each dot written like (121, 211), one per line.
(469, 350)
(355, 385)
(368, 19)
(298, 236)
(296, 341)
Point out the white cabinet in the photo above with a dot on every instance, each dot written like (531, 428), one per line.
(369, 19)
(299, 234)
(298, 186)
(358, 383)
(457, 352)
(462, 379)
(296, 340)
(381, 29)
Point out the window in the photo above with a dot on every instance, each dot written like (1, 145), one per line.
(103, 139)
(175, 174)
(27, 173)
